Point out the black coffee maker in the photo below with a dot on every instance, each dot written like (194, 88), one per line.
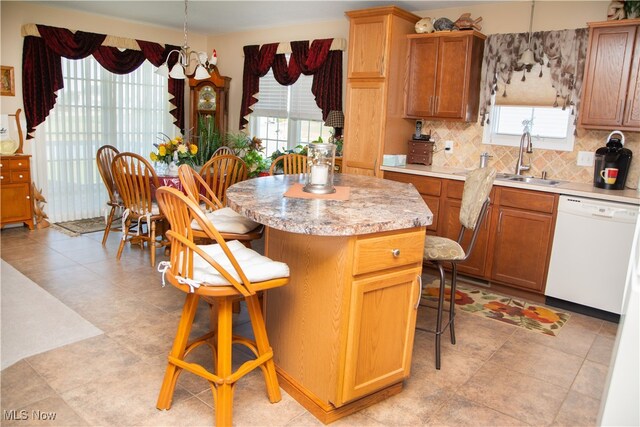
(612, 163)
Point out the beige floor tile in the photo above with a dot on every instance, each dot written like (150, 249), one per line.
(591, 379)
(609, 329)
(22, 386)
(187, 412)
(47, 261)
(501, 389)
(459, 411)
(357, 419)
(601, 350)
(574, 340)
(538, 361)
(578, 410)
(148, 339)
(126, 398)
(415, 405)
(456, 367)
(76, 364)
(52, 411)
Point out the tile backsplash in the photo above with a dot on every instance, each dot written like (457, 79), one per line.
(468, 146)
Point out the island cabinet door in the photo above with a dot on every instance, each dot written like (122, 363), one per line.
(380, 333)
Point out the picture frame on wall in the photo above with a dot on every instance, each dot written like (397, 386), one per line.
(7, 82)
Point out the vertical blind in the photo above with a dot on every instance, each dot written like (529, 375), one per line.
(97, 108)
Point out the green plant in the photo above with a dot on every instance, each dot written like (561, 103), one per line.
(208, 139)
(632, 8)
(249, 150)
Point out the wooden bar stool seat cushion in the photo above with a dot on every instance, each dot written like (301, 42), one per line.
(226, 220)
(256, 267)
(441, 248)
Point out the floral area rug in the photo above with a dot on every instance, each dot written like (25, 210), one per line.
(83, 226)
(502, 308)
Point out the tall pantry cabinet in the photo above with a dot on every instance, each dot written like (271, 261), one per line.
(376, 72)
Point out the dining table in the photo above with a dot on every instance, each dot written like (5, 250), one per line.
(342, 329)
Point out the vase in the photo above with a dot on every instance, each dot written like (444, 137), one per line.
(173, 169)
(162, 168)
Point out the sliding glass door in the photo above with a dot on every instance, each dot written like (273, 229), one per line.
(96, 108)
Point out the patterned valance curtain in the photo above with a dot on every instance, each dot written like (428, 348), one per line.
(562, 53)
(318, 60)
(42, 67)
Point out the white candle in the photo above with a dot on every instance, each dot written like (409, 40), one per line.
(319, 174)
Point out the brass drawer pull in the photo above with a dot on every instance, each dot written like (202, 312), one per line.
(395, 252)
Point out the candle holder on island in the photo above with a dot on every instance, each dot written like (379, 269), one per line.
(320, 167)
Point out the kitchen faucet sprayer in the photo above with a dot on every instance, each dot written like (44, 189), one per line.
(524, 139)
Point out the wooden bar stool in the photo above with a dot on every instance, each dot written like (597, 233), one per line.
(220, 273)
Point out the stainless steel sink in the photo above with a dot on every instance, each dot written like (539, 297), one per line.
(536, 181)
(502, 176)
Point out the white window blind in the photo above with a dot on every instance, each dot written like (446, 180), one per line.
(303, 103)
(273, 98)
(96, 108)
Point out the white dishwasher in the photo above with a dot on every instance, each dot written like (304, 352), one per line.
(590, 254)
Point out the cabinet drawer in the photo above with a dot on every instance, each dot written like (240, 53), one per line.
(18, 176)
(379, 253)
(528, 200)
(424, 184)
(19, 164)
(455, 189)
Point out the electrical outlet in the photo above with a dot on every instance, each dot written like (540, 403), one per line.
(448, 147)
(585, 158)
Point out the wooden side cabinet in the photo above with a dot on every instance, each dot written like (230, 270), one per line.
(16, 204)
(430, 190)
(443, 76)
(374, 121)
(611, 91)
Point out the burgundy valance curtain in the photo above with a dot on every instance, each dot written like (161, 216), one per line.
(316, 59)
(42, 68)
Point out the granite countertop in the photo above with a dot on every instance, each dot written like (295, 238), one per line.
(565, 187)
(374, 205)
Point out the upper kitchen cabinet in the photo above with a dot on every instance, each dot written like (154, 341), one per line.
(611, 93)
(443, 76)
(374, 114)
(210, 99)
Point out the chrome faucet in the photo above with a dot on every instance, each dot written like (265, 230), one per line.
(524, 139)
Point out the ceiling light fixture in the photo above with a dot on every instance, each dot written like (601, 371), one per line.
(180, 69)
(527, 56)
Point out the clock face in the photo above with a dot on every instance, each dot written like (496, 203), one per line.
(207, 99)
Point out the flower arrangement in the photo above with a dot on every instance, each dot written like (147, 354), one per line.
(174, 150)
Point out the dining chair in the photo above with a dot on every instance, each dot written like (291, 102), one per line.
(220, 274)
(223, 150)
(104, 158)
(221, 172)
(291, 164)
(440, 250)
(230, 224)
(134, 178)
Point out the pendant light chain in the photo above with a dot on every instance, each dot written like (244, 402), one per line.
(533, 5)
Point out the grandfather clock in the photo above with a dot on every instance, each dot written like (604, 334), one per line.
(210, 99)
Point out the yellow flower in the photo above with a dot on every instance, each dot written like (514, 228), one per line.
(193, 148)
(179, 139)
(162, 150)
(182, 148)
(154, 157)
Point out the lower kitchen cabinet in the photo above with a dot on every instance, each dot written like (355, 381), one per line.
(476, 264)
(514, 243)
(521, 248)
(429, 188)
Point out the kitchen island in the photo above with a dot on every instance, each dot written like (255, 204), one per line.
(342, 330)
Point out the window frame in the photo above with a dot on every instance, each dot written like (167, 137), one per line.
(491, 137)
